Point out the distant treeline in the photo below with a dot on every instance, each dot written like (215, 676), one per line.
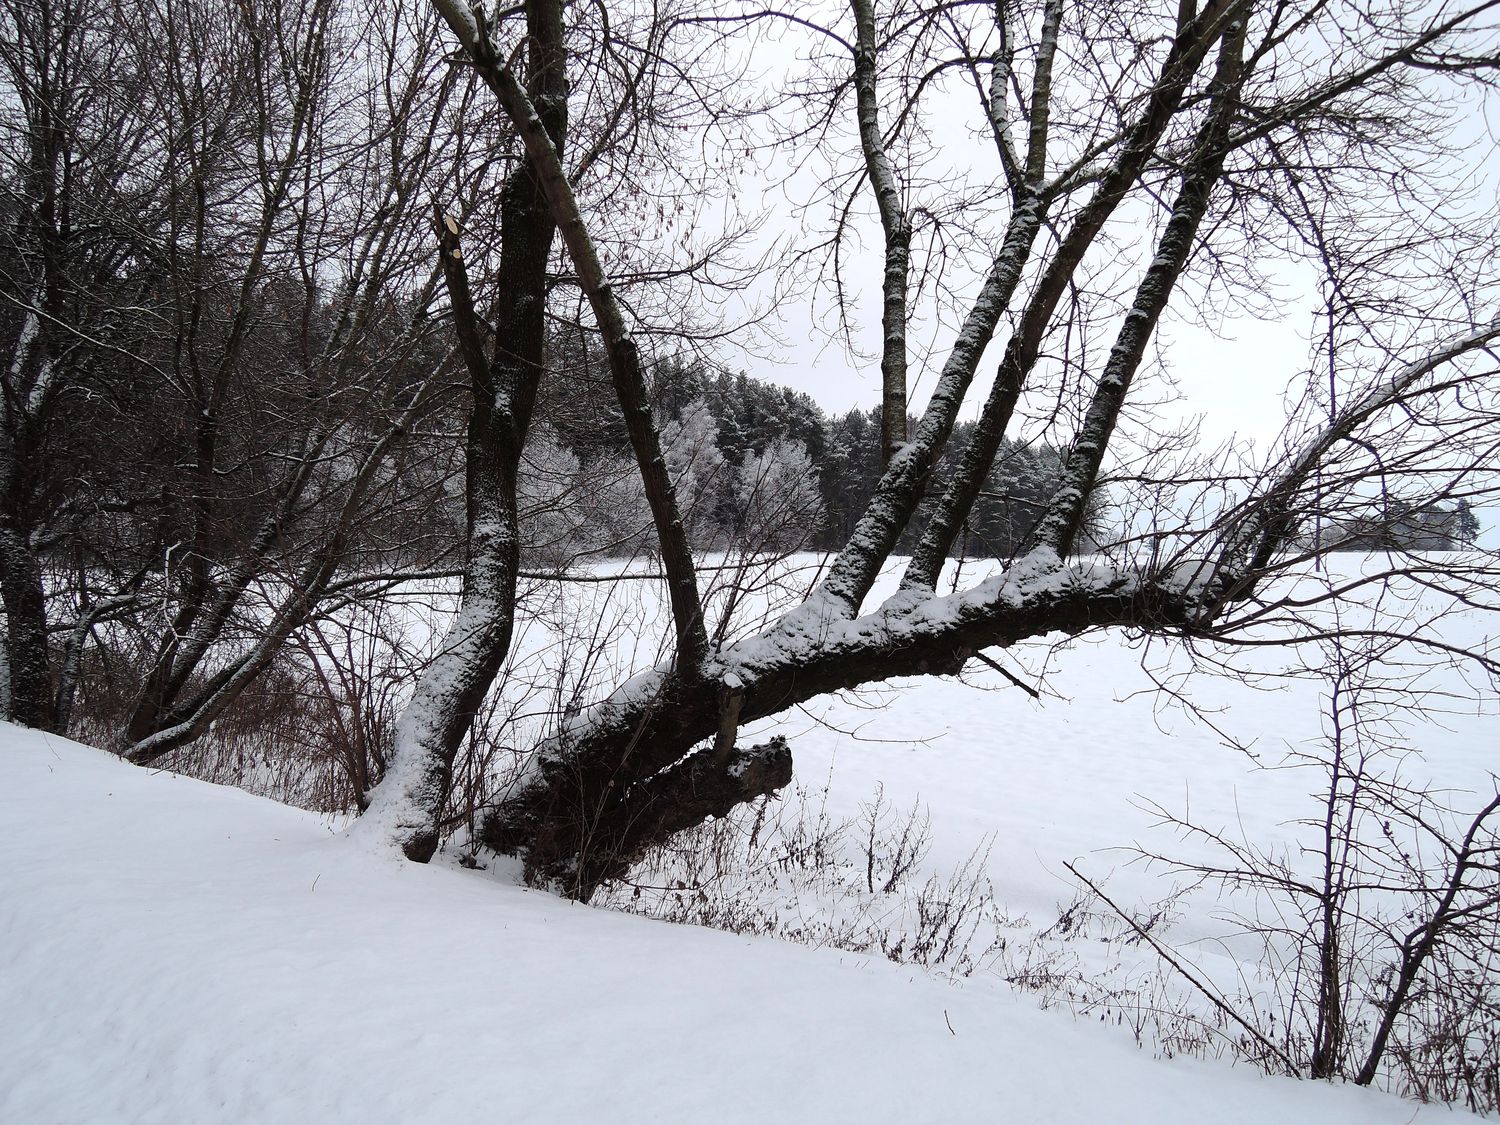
(1396, 524)
(752, 425)
(734, 439)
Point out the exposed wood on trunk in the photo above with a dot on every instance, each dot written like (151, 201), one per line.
(731, 699)
(460, 300)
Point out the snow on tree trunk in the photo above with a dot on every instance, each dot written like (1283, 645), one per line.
(405, 809)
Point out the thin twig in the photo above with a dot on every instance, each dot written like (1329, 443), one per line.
(1187, 974)
(1023, 685)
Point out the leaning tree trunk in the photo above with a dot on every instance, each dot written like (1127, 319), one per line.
(595, 799)
(660, 754)
(598, 795)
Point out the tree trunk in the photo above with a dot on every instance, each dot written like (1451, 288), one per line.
(406, 809)
(31, 702)
(561, 817)
(31, 694)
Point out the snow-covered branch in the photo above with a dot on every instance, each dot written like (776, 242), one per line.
(1064, 516)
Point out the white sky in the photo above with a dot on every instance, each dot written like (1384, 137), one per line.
(1233, 376)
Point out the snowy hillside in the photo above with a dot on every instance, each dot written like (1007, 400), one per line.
(177, 952)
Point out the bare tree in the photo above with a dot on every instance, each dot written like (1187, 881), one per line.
(223, 350)
(294, 184)
(68, 188)
(1378, 925)
(537, 202)
(1160, 162)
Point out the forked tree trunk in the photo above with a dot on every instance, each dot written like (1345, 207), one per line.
(640, 766)
(406, 809)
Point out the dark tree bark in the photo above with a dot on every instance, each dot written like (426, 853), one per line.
(31, 694)
(623, 754)
(406, 809)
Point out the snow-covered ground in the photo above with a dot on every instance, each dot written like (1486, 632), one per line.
(1069, 776)
(177, 952)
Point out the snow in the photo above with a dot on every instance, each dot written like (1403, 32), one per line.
(183, 952)
(910, 613)
(460, 18)
(1067, 775)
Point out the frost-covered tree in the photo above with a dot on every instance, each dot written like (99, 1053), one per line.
(549, 511)
(1131, 167)
(1465, 524)
(777, 499)
(690, 444)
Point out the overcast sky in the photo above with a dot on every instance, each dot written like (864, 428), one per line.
(1233, 374)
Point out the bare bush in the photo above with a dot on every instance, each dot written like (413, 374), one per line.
(790, 869)
(1379, 931)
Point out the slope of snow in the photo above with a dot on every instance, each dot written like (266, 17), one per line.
(178, 952)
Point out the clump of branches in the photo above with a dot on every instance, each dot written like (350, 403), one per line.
(792, 869)
(1379, 931)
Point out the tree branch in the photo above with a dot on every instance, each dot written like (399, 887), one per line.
(1196, 36)
(624, 358)
(895, 224)
(1064, 515)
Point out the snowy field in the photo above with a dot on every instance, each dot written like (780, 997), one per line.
(183, 952)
